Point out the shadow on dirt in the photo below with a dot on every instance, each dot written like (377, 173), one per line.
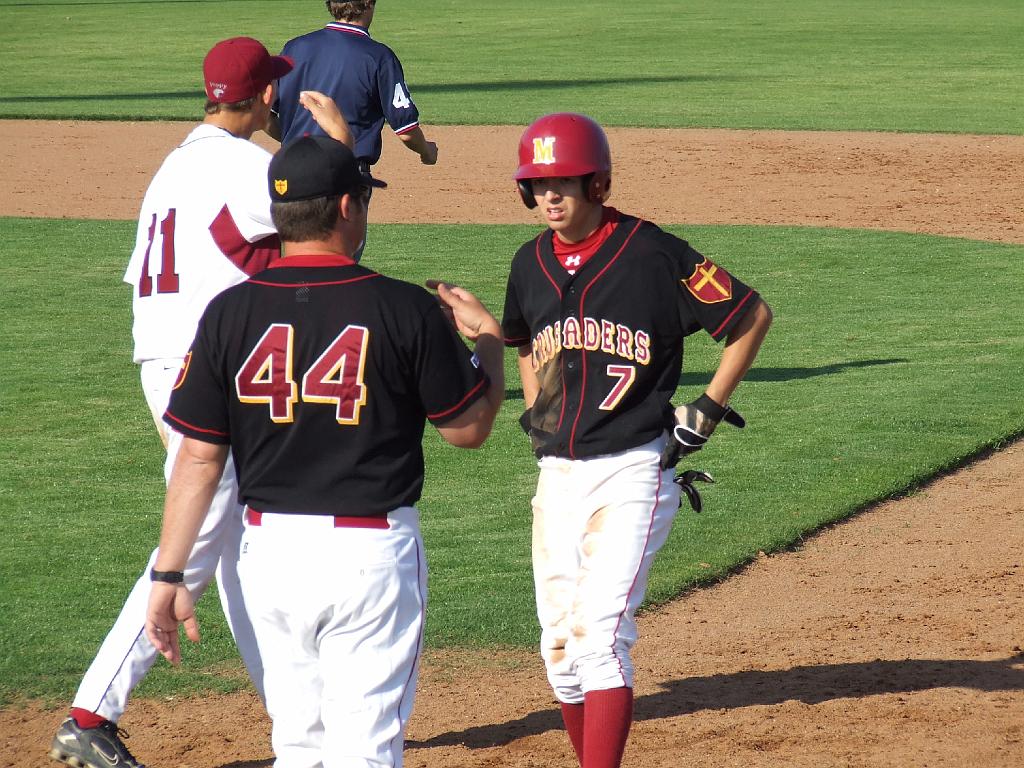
(809, 684)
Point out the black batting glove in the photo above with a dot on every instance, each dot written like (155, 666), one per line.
(694, 423)
(685, 481)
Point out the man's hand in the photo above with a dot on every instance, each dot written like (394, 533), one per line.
(429, 154)
(170, 605)
(418, 143)
(469, 316)
(327, 115)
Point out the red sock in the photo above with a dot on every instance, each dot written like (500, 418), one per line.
(85, 718)
(609, 715)
(572, 716)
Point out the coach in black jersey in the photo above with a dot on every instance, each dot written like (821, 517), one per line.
(598, 307)
(363, 76)
(320, 374)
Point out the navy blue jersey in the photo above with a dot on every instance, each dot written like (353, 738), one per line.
(320, 374)
(607, 341)
(363, 76)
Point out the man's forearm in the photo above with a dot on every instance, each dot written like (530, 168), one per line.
(194, 481)
(490, 351)
(415, 140)
(740, 350)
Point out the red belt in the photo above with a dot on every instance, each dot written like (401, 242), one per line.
(254, 517)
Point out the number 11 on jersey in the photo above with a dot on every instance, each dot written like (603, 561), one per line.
(167, 278)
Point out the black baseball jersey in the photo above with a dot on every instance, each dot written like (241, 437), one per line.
(363, 76)
(607, 341)
(320, 374)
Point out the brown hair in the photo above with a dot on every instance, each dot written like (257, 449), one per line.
(349, 10)
(214, 107)
(304, 220)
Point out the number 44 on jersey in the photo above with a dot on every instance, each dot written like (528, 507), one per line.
(335, 378)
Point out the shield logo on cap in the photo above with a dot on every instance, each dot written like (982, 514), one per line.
(281, 186)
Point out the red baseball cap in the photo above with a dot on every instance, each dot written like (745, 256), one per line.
(239, 68)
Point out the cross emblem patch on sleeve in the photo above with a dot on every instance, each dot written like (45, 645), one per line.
(708, 283)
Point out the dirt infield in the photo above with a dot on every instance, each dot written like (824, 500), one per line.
(893, 639)
(965, 186)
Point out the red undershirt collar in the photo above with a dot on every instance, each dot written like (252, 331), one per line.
(572, 256)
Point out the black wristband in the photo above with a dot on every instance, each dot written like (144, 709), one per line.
(709, 407)
(168, 577)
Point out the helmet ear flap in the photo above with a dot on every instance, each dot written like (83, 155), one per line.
(526, 192)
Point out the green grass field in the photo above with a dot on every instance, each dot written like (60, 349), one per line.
(917, 65)
(870, 382)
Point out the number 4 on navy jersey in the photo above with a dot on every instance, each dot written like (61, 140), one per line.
(401, 99)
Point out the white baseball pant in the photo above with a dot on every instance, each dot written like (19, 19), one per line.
(126, 654)
(339, 615)
(597, 525)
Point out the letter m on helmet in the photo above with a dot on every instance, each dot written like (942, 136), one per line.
(582, 151)
(543, 150)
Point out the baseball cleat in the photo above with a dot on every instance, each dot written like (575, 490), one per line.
(99, 747)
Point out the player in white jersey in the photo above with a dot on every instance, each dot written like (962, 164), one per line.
(204, 226)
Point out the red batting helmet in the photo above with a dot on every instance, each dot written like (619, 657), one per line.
(565, 144)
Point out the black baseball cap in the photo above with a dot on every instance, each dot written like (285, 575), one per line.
(315, 166)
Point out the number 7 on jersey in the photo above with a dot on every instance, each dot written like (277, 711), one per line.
(626, 375)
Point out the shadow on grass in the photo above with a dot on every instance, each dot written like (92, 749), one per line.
(482, 86)
(80, 97)
(808, 684)
(703, 378)
(72, 6)
(559, 84)
(792, 374)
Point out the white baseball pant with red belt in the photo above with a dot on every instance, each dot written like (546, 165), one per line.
(339, 614)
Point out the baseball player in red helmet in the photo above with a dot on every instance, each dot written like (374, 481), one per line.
(204, 225)
(598, 306)
(320, 375)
